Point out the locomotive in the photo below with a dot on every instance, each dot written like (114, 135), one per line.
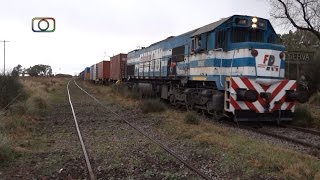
(232, 67)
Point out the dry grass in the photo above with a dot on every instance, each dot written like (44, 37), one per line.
(152, 105)
(191, 118)
(240, 151)
(6, 151)
(234, 151)
(308, 114)
(17, 127)
(108, 93)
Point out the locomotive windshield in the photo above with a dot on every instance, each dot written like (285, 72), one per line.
(245, 34)
(252, 29)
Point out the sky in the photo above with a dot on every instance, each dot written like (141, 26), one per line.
(88, 31)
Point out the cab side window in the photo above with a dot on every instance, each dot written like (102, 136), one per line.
(221, 39)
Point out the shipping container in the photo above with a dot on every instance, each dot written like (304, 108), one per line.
(93, 72)
(87, 73)
(103, 71)
(81, 75)
(118, 67)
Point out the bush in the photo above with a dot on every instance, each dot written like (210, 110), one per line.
(10, 87)
(16, 124)
(36, 105)
(315, 99)
(314, 72)
(302, 116)
(124, 91)
(191, 118)
(152, 105)
(18, 108)
(6, 151)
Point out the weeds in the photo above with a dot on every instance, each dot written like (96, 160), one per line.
(36, 105)
(10, 87)
(16, 123)
(191, 118)
(124, 91)
(18, 108)
(6, 152)
(302, 116)
(315, 99)
(152, 105)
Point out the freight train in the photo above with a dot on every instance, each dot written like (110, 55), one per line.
(233, 66)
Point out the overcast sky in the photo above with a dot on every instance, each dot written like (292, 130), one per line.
(85, 29)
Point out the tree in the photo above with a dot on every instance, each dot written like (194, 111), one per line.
(301, 14)
(16, 71)
(40, 70)
(300, 40)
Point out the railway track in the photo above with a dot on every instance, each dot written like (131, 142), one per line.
(305, 138)
(306, 130)
(133, 126)
(309, 138)
(84, 150)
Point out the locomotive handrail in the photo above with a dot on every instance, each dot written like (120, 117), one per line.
(234, 52)
(219, 49)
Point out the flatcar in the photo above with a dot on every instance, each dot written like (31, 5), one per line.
(233, 66)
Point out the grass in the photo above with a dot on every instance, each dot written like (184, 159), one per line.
(315, 99)
(6, 151)
(17, 127)
(245, 157)
(308, 114)
(124, 91)
(10, 87)
(191, 118)
(303, 116)
(236, 154)
(152, 105)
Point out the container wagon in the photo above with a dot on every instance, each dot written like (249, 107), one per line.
(81, 75)
(103, 72)
(87, 74)
(118, 67)
(93, 73)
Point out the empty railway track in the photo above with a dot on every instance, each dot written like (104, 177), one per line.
(134, 127)
(289, 134)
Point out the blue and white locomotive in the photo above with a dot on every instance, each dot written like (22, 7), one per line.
(233, 66)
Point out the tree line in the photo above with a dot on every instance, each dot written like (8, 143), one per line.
(34, 71)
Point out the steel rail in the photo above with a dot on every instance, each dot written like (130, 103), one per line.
(278, 136)
(80, 137)
(305, 130)
(164, 147)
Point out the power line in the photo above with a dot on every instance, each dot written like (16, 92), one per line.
(4, 56)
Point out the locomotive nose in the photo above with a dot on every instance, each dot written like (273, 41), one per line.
(269, 66)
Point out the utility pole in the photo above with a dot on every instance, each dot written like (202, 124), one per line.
(4, 56)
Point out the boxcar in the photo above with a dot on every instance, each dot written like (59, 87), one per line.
(118, 67)
(103, 71)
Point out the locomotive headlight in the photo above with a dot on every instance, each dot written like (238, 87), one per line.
(254, 26)
(301, 97)
(281, 55)
(254, 52)
(247, 95)
(254, 20)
